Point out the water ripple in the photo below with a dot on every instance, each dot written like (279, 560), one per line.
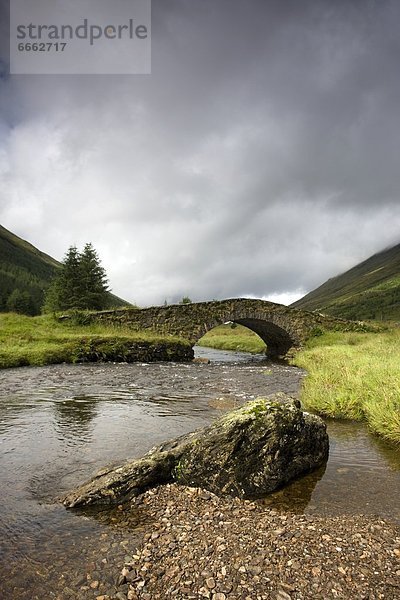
(59, 424)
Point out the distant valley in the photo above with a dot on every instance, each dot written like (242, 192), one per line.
(369, 290)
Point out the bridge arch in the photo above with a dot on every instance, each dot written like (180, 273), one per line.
(277, 339)
(280, 327)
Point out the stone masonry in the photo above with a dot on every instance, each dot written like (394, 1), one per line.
(280, 327)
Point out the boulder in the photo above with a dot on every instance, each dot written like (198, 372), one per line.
(248, 453)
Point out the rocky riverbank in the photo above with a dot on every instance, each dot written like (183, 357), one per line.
(200, 546)
(114, 349)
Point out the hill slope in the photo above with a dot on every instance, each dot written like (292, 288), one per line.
(23, 267)
(370, 290)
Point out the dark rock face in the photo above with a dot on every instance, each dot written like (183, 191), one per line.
(116, 349)
(256, 449)
(246, 453)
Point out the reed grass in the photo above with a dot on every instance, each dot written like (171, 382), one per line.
(355, 376)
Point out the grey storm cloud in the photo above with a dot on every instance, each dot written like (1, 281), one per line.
(259, 158)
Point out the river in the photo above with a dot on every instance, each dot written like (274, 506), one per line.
(59, 424)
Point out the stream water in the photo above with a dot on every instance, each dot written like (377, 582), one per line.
(59, 424)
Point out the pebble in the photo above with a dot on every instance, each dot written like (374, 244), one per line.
(200, 546)
(281, 595)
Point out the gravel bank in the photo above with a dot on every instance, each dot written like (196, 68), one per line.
(202, 546)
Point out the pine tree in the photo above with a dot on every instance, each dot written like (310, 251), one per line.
(69, 285)
(64, 291)
(20, 302)
(93, 280)
(80, 284)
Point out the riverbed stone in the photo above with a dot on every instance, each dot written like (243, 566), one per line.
(248, 453)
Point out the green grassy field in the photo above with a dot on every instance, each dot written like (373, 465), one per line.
(355, 376)
(45, 340)
(238, 338)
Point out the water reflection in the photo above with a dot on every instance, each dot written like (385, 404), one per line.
(296, 496)
(355, 440)
(362, 475)
(74, 416)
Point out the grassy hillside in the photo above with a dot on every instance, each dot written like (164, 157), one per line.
(23, 267)
(370, 290)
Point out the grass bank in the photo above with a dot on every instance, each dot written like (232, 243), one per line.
(45, 340)
(355, 376)
(350, 375)
(239, 338)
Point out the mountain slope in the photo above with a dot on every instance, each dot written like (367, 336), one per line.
(25, 268)
(370, 290)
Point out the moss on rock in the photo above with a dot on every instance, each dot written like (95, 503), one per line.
(248, 452)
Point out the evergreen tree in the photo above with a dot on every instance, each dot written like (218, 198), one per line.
(93, 280)
(64, 291)
(70, 288)
(20, 302)
(81, 282)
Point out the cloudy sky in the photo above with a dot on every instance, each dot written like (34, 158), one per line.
(259, 158)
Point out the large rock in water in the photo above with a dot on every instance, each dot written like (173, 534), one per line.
(247, 453)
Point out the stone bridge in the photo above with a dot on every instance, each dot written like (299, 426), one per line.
(280, 327)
